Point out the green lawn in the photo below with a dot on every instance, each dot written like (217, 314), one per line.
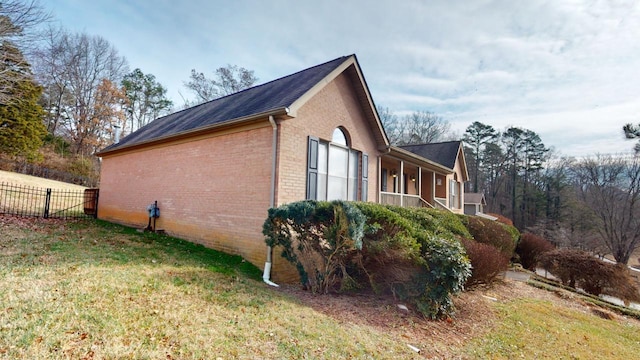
(535, 329)
(96, 290)
(93, 290)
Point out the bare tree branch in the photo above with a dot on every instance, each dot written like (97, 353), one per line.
(227, 80)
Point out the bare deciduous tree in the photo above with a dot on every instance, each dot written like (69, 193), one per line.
(420, 127)
(18, 21)
(227, 80)
(610, 187)
(71, 68)
(390, 123)
(423, 127)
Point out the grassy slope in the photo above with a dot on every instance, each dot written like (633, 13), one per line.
(96, 290)
(27, 180)
(103, 291)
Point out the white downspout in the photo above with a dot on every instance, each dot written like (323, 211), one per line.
(266, 275)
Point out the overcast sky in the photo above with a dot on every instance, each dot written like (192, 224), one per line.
(566, 69)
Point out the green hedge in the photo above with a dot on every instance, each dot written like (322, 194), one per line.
(412, 253)
(318, 238)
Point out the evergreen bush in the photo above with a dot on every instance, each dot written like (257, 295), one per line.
(319, 238)
(340, 245)
(437, 222)
(427, 278)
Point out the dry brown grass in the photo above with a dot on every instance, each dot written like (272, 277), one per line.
(91, 290)
(33, 181)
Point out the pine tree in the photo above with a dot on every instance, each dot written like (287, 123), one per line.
(475, 137)
(21, 127)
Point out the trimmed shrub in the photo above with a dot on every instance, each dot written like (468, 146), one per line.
(397, 253)
(579, 269)
(390, 252)
(487, 262)
(318, 238)
(502, 219)
(530, 248)
(492, 233)
(446, 221)
(421, 261)
(513, 231)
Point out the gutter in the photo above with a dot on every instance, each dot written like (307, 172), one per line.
(266, 275)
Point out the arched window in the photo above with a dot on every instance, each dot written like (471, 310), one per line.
(339, 137)
(335, 176)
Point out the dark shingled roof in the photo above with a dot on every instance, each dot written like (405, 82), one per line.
(274, 95)
(474, 198)
(444, 153)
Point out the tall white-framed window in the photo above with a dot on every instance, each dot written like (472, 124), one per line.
(333, 169)
(453, 194)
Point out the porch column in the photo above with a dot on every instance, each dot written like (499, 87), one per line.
(419, 182)
(401, 177)
(433, 187)
(379, 180)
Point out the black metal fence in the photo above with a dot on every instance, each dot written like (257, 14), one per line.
(48, 203)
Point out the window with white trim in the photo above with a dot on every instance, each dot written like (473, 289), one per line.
(333, 169)
(453, 194)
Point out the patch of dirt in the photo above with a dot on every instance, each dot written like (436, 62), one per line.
(474, 317)
(35, 224)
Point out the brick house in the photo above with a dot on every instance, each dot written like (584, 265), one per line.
(216, 168)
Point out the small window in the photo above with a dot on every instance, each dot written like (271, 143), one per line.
(383, 180)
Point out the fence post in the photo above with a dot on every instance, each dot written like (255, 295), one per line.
(47, 203)
(95, 216)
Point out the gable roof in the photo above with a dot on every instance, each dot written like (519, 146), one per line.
(444, 153)
(278, 97)
(399, 153)
(474, 198)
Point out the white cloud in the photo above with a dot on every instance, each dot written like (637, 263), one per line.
(565, 69)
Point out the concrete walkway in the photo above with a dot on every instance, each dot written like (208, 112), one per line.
(517, 275)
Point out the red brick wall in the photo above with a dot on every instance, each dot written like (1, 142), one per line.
(335, 105)
(213, 191)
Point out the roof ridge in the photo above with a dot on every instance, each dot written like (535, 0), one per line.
(275, 94)
(258, 86)
(280, 78)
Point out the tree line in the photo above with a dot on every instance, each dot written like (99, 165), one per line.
(591, 203)
(75, 89)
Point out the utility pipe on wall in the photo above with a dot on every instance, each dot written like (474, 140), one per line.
(266, 275)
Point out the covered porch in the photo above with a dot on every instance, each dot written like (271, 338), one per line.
(412, 181)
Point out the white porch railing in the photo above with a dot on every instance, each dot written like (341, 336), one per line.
(405, 200)
(440, 204)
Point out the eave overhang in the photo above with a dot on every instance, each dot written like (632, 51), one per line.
(114, 149)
